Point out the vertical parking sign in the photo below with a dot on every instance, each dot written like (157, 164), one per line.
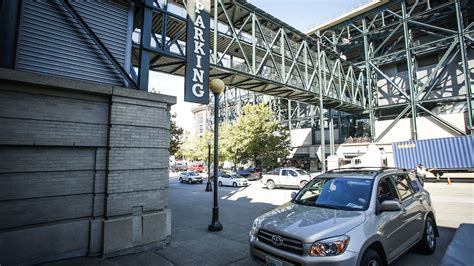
(196, 86)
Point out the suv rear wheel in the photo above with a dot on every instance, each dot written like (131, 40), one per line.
(427, 244)
(371, 258)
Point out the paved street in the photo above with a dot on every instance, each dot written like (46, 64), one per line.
(192, 244)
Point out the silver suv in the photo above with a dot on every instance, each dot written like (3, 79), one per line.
(363, 216)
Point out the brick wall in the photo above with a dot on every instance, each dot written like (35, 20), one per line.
(83, 169)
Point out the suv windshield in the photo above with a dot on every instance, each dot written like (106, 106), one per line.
(193, 174)
(336, 193)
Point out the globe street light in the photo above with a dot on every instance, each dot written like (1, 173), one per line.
(208, 185)
(217, 86)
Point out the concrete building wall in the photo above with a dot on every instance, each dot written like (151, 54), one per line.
(428, 128)
(83, 169)
(450, 84)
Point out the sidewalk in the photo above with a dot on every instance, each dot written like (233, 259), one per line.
(191, 242)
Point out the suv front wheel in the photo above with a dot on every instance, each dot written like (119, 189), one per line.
(371, 258)
(427, 244)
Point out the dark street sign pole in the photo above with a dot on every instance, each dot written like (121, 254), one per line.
(208, 185)
(217, 86)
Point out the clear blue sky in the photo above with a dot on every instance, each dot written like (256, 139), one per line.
(307, 14)
(301, 14)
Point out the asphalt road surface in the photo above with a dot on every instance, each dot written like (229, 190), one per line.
(454, 204)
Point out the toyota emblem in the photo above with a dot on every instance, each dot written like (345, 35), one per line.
(277, 240)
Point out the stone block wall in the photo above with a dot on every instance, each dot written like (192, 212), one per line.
(83, 169)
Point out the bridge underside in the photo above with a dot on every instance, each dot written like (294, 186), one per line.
(357, 65)
(437, 38)
(255, 52)
(236, 79)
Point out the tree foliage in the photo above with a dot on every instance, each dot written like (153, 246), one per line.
(201, 146)
(185, 148)
(176, 136)
(257, 136)
(227, 151)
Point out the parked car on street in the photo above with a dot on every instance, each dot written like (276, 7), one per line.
(364, 216)
(286, 177)
(179, 166)
(234, 180)
(190, 177)
(219, 173)
(251, 173)
(196, 167)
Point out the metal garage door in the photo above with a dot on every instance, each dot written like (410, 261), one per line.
(51, 42)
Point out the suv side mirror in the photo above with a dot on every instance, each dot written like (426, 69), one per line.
(390, 206)
(414, 184)
(293, 195)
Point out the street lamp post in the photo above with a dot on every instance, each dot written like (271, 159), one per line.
(217, 86)
(209, 185)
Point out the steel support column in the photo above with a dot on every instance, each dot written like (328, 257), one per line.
(145, 46)
(411, 85)
(216, 30)
(9, 25)
(290, 126)
(331, 133)
(465, 67)
(321, 107)
(368, 72)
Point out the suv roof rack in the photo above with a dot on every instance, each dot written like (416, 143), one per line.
(367, 168)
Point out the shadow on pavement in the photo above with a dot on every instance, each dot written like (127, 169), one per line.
(191, 242)
(446, 234)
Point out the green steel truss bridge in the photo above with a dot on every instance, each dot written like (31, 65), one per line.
(389, 60)
(344, 65)
(437, 38)
(250, 50)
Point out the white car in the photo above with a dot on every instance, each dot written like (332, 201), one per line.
(190, 177)
(286, 177)
(234, 180)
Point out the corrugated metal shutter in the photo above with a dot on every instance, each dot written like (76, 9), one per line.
(51, 42)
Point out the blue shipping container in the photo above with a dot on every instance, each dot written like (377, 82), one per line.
(443, 153)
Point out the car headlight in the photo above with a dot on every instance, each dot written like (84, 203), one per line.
(255, 226)
(330, 246)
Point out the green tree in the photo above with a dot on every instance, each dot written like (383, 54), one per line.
(227, 150)
(176, 136)
(201, 146)
(186, 148)
(257, 136)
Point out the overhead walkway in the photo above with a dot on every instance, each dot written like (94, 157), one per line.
(254, 51)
